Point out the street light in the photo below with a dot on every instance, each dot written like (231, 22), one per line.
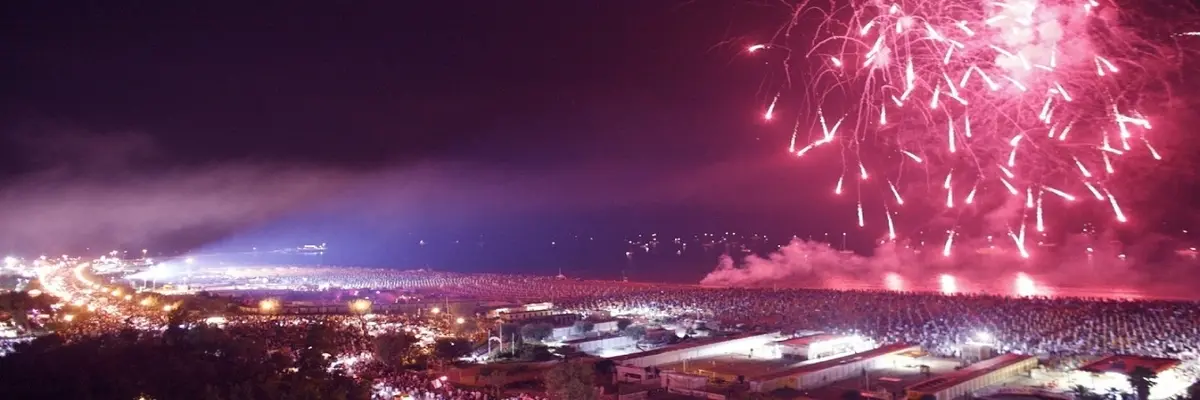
(361, 306)
(435, 310)
(268, 305)
(460, 320)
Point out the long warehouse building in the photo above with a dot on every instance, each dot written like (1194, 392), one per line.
(697, 349)
(822, 373)
(974, 377)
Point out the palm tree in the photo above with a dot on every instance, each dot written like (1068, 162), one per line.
(1081, 392)
(1141, 379)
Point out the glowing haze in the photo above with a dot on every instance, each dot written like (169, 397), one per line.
(1080, 267)
(960, 105)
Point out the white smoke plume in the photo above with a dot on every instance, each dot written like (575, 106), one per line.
(1081, 266)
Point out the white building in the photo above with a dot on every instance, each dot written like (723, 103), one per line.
(698, 349)
(821, 346)
(822, 373)
(1112, 372)
(974, 377)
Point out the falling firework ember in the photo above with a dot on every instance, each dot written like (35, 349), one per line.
(1024, 286)
(894, 282)
(1045, 90)
(948, 284)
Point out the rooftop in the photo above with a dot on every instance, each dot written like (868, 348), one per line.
(683, 346)
(818, 366)
(807, 340)
(970, 372)
(1124, 364)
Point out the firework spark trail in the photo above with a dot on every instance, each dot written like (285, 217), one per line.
(1039, 85)
(891, 227)
(949, 244)
(899, 200)
(1116, 207)
(1041, 226)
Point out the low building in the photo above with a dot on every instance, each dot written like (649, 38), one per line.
(973, 378)
(605, 325)
(518, 316)
(822, 373)
(696, 349)
(819, 346)
(559, 320)
(527, 311)
(1112, 372)
(597, 345)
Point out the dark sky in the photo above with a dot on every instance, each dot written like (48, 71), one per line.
(521, 83)
(151, 122)
(178, 125)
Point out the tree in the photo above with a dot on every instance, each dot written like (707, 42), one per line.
(606, 369)
(537, 332)
(216, 364)
(395, 349)
(571, 381)
(538, 353)
(636, 332)
(18, 304)
(582, 327)
(1141, 379)
(468, 326)
(1081, 392)
(507, 330)
(623, 323)
(448, 349)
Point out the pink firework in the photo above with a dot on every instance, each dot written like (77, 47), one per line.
(1001, 98)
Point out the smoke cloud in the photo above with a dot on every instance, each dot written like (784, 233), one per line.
(123, 190)
(1080, 266)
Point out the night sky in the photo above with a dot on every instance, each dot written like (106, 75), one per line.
(530, 83)
(184, 127)
(635, 115)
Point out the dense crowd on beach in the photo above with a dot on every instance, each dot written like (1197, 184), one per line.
(1044, 326)
(1058, 329)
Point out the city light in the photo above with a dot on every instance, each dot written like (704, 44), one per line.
(360, 306)
(268, 305)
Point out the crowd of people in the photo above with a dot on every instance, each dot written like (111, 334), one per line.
(418, 386)
(1053, 328)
